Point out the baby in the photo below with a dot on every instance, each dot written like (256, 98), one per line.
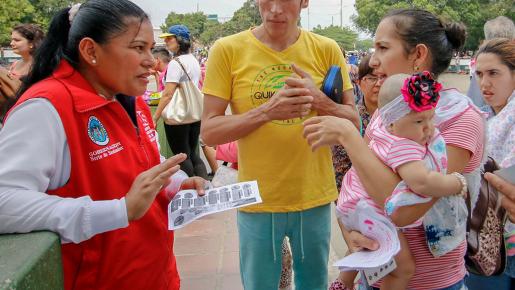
(403, 136)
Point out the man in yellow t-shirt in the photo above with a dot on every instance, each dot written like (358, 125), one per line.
(270, 76)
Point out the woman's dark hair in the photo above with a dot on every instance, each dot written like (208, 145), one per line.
(100, 20)
(33, 33)
(184, 45)
(364, 67)
(416, 26)
(502, 47)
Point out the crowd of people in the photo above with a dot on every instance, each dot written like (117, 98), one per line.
(399, 143)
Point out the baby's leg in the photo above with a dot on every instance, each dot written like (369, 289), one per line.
(398, 279)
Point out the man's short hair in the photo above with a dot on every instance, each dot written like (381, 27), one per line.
(162, 53)
(499, 27)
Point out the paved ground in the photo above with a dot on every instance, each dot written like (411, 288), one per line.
(207, 253)
(207, 250)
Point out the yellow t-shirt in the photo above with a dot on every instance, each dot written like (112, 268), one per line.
(247, 73)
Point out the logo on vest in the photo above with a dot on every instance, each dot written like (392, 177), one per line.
(96, 131)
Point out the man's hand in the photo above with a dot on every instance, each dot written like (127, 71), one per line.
(320, 100)
(288, 103)
(148, 184)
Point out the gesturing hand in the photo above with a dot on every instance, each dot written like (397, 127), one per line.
(148, 184)
(327, 130)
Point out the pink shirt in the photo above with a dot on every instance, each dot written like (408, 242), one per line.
(392, 150)
(464, 131)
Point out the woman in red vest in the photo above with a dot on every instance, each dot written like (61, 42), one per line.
(80, 157)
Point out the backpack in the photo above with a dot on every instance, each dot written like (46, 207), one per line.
(486, 254)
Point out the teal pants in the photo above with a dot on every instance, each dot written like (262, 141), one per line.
(261, 236)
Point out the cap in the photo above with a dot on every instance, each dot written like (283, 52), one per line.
(177, 30)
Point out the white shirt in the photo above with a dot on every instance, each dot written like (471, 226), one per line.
(35, 158)
(175, 74)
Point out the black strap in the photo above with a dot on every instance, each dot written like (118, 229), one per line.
(177, 60)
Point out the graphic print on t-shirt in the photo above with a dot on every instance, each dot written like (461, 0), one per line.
(268, 81)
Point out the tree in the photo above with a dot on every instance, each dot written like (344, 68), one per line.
(364, 44)
(345, 37)
(195, 22)
(212, 31)
(472, 13)
(244, 18)
(44, 10)
(11, 13)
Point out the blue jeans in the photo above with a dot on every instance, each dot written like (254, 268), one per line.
(460, 285)
(261, 236)
(501, 282)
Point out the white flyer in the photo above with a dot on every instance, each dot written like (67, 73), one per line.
(375, 226)
(187, 206)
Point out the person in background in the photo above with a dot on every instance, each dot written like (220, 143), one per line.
(495, 74)
(499, 27)
(183, 138)
(162, 57)
(25, 39)
(269, 77)
(85, 162)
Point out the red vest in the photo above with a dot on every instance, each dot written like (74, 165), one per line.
(107, 153)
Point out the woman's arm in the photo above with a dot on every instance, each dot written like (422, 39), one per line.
(166, 97)
(35, 158)
(378, 179)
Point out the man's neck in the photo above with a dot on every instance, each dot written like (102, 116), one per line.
(278, 42)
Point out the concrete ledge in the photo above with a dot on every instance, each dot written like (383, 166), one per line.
(30, 261)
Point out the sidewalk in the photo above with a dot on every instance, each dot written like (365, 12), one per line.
(207, 253)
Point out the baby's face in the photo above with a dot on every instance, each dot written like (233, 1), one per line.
(416, 126)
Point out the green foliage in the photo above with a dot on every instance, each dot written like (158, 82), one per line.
(244, 18)
(472, 13)
(196, 22)
(364, 44)
(207, 31)
(345, 37)
(11, 13)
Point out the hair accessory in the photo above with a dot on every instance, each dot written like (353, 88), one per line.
(420, 91)
(73, 11)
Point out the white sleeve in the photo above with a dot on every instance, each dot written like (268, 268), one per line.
(36, 158)
(174, 73)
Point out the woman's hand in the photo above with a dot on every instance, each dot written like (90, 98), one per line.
(328, 130)
(197, 183)
(508, 193)
(148, 184)
(357, 242)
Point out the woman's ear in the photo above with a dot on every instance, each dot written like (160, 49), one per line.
(421, 57)
(304, 4)
(88, 50)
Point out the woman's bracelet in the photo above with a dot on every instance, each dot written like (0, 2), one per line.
(463, 182)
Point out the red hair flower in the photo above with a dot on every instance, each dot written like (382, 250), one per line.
(420, 91)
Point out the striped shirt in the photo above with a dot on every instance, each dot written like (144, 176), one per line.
(394, 151)
(464, 131)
